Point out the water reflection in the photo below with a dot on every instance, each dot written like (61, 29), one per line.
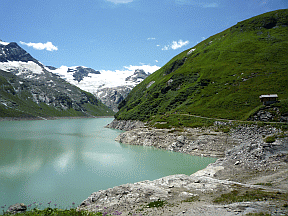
(67, 160)
(103, 159)
(62, 162)
(20, 168)
(26, 157)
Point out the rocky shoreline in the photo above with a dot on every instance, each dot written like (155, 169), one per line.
(246, 163)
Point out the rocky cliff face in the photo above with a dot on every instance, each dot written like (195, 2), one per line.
(25, 83)
(193, 141)
(125, 125)
(111, 97)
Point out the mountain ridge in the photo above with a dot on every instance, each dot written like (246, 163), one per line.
(13, 52)
(29, 90)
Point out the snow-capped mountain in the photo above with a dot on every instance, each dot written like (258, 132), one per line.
(111, 87)
(16, 60)
(28, 88)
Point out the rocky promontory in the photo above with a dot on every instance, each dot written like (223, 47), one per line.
(247, 163)
(125, 125)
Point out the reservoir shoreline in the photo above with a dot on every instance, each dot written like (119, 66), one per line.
(246, 163)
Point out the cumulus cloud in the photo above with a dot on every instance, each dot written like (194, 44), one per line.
(41, 46)
(179, 44)
(176, 45)
(120, 1)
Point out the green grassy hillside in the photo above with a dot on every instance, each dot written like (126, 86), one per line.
(221, 77)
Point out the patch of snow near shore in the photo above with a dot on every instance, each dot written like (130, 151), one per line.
(21, 67)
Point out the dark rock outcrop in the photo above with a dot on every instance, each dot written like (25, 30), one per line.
(13, 52)
(80, 72)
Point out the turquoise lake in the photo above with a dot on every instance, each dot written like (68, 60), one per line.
(64, 161)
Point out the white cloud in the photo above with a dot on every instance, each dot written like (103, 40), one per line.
(156, 60)
(179, 44)
(41, 46)
(166, 47)
(151, 38)
(176, 45)
(120, 1)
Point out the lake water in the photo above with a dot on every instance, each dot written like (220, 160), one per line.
(64, 161)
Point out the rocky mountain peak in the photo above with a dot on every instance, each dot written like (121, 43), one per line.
(80, 72)
(13, 52)
(138, 76)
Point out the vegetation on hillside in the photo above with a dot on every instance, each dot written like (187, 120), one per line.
(221, 77)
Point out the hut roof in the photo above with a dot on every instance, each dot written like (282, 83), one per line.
(269, 96)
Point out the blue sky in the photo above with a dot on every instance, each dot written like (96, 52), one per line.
(113, 34)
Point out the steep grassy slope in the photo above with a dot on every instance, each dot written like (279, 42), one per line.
(221, 77)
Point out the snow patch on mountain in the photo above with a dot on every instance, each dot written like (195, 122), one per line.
(106, 79)
(4, 43)
(20, 68)
(111, 87)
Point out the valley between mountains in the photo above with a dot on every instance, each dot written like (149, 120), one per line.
(220, 80)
